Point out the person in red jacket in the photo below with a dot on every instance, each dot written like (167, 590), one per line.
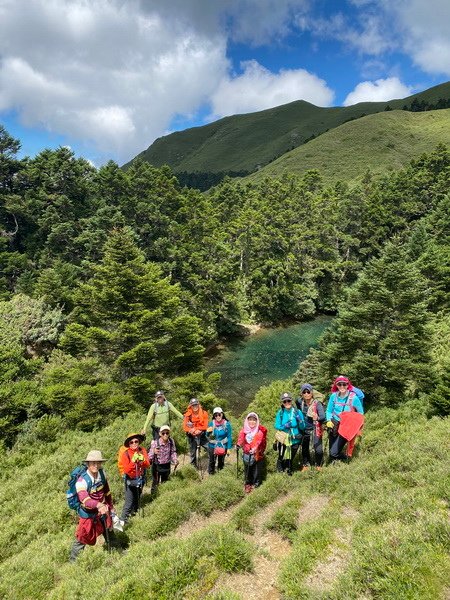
(133, 463)
(195, 425)
(251, 439)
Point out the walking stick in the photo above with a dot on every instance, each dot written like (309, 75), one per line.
(106, 534)
(312, 450)
(237, 462)
(199, 464)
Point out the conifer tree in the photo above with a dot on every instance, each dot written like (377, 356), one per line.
(133, 319)
(380, 338)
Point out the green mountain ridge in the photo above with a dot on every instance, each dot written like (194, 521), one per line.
(379, 142)
(244, 143)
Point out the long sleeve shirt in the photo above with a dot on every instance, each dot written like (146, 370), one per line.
(159, 414)
(337, 405)
(98, 493)
(167, 451)
(221, 435)
(195, 421)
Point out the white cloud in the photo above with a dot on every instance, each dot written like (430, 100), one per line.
(380, 90)
(104, 71)
(424, 27)
(257, 88)
(368, 36)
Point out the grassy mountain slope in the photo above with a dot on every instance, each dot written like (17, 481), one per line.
(377, 527)
(387, 140)
(245, 142)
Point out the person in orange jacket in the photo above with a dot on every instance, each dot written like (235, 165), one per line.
(133, 462)
(195, 425)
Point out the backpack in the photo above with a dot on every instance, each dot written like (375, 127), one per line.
(121, 452)
(263, 444)
(73, 501)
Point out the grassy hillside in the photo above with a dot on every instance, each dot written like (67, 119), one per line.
(376, 528)
(387, 140)
(246, 142)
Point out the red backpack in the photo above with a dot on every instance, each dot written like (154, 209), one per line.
(263, 444)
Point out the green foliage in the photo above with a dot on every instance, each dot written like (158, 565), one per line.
(380, 338)
(249, 142)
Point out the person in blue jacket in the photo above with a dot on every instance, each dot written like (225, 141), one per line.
(220, 440)
(344, 397)
(289, 425)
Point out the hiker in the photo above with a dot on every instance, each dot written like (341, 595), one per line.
(159, 414)
(95, 505)
(162, 454)
(195, 425)
(251, 439)
(134, 460)
(343, 399)
(220, 440)
(314, 415)
(289, 425)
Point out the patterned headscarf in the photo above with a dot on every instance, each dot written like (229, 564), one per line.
(249, 431)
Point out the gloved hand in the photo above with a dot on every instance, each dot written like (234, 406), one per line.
(289, 424)
(209, 430)
(330, 424)
(137, 457)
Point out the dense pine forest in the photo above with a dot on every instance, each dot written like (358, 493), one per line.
(113, 282)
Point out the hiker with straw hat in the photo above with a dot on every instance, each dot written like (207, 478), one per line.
(96, 505)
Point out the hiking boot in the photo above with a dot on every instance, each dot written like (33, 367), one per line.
(304, 467)
(280, 468)
(247, 488)
(318, 468)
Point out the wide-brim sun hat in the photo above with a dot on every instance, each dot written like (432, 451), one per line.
(164, 428)
(94, 456)
(131, 436)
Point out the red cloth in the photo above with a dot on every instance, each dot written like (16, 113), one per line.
(88, 530)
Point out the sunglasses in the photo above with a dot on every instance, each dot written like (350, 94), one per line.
(342, 384)
(217, 414)
(307, 392)
(287, 401)
(134, 442)
(165, 433)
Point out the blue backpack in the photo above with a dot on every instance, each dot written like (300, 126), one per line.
(71, 494)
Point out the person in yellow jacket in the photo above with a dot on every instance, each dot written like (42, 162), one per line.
(159, 414)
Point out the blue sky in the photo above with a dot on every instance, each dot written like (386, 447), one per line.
(107, 77)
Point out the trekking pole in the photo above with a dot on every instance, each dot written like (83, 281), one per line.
(199, 462)
(312, 450)
(237, 462)
(106, 534)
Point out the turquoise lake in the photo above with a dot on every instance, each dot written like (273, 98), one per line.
(248, 363)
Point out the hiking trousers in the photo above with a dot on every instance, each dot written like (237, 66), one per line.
(337, 443)
(194, 442)
(282, 463)
(160, 476)
(318, 449)
(212, 461)
(131, 506)
(253, 473)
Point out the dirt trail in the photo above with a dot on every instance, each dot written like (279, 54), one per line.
(337, 561)
(272, 549)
